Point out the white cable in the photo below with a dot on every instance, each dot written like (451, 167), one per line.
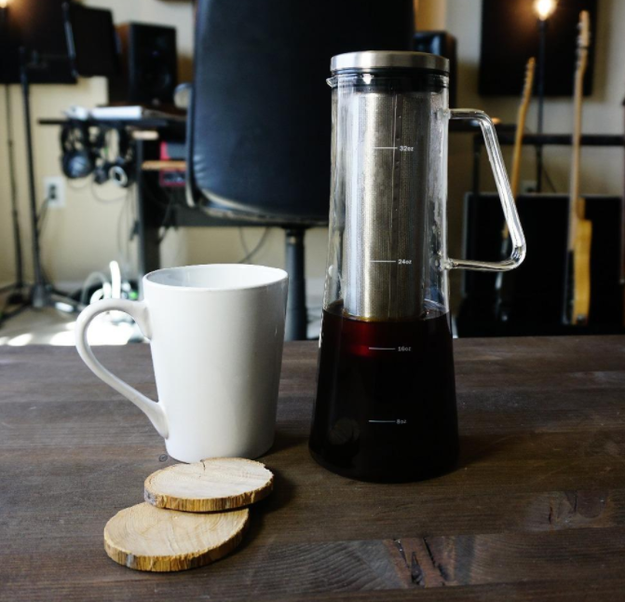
(89, 280)
(116, 280)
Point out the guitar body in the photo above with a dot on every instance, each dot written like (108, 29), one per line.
(577, 301)
(581, 271)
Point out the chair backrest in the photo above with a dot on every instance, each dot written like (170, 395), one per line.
(259, 135)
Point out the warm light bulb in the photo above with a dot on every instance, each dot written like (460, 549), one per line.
(545, 8)
(4, 3)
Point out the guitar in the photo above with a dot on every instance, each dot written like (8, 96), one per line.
(577, 289)
(526, 97)
(520, 129)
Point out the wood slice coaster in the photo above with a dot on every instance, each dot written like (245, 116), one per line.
(146, 538)
(208, 486)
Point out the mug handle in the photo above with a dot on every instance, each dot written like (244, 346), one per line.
(138, 311)
(508, 205)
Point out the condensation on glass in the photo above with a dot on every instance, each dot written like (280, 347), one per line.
(386, 405)
(388, 253)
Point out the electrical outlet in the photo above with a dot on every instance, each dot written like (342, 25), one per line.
(54, 191)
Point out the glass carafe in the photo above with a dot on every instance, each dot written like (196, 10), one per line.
(386, 406)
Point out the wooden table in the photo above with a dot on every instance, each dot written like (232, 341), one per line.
(535, 511)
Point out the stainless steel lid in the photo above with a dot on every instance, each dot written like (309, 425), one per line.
(388, 59)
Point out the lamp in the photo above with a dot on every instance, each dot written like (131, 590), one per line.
(544, 9)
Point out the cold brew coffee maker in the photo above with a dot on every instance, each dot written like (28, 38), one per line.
(386, 403)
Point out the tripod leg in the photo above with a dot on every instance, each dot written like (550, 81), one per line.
(39, 295)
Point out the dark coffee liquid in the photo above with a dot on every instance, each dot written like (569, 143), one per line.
(386, 400)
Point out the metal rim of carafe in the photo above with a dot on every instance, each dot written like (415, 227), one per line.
(388, 59)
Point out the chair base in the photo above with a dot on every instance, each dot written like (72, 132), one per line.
(296, 313)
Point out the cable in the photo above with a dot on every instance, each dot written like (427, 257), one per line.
(167, 218)
(100, 199)
(164, 223)
(123, 242)
(257, 248)
(41, 215)
(73, 186)
(151, 195)
(545, 173)
(167, 206)
(89, 281)
(242, 241)
(548, 178)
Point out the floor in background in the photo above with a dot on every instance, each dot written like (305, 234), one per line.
(53, 327)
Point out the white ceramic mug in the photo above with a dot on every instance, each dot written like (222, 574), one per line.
(216, 333)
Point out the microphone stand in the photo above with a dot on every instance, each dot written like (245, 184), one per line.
(42, 293)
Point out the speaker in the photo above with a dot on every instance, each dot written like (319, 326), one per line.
(532, 296)
(443, 44)
(149, 65)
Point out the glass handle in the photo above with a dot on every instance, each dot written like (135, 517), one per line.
(508, 205)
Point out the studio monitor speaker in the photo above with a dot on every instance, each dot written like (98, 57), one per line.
(149, 65)
(443, 44)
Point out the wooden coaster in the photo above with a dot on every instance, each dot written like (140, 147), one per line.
(208, 486)
(146, 538)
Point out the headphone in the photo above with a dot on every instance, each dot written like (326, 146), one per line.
(122, 170)
(84, 155)
(78, 159)
(103, 165)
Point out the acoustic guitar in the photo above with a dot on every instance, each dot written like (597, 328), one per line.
(577, 289)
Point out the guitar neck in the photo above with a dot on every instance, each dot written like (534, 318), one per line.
(574, 216)
(520, 128)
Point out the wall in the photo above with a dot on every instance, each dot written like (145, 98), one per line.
(89, 232)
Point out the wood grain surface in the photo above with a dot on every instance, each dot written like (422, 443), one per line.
(536, 510)
(210, 485)
(147, 538)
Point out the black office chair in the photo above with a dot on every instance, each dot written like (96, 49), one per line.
(259, 117)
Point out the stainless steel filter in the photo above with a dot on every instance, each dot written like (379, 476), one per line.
(386, 204)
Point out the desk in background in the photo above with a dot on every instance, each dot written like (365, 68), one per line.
(155, 207)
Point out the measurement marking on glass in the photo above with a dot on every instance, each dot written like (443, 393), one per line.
(383, 348)
(402, 149)
(382, 261)
(396, 421)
